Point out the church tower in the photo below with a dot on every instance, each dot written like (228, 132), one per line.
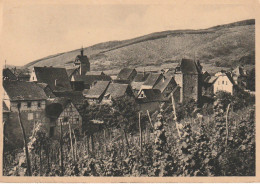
(83, 63)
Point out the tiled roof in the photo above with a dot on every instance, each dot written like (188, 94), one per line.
(125, 73)
(141, 77)
(97, 90)
(95, 73)
(50, 74)
(21, 90)
(188, 66)
(8, 74)
(70, 71)
(153, 79)
(210, 79)
(46, 89)
(152, 95)
(136, 85)
(76, 97)
(90, 79)
(116, 90)
(163, 83)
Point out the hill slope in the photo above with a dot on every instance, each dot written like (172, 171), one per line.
(223, 45)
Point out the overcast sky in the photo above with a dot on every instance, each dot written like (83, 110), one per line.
(33, 30)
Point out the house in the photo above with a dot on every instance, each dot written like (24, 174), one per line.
(138, 81)
(117, 90)
(150, 99)
(188, 77)
(87, 81)
(96, 93)
(126, 75)
(30, 100)
(82, 62)
(56, 78)
(224, 82)
(166, 85)
(62, 111)
(208, 87)
(8, 75)
(240, 76)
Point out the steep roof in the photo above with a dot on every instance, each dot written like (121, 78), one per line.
(239, 71)
(95, 73)
(188, 66)
(5, 108)
(125, 73)
(136, 85)
(76, 97)
(97, 90)
(70, 71)
(90, 79)
(116, 90)
(153, 79)
(22, 90)
(152, 95)
(50, 74)
(8, 74)
(141, 77)
(210, 79)
(163, 83)
(46, 89)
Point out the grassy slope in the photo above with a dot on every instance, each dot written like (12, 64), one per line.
(226, 44)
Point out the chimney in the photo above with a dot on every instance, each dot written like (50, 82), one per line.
(56, 82)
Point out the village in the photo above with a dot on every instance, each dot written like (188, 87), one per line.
(37, 96)
(53, 104)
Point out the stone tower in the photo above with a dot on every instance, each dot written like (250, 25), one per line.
(83, 63)
(188, 77)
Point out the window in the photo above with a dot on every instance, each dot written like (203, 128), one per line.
(19, 105)
(30, 116)
(223, 82)
(65, 119)
(226, 82)
(29, 104)
(77, 119)
(39, 104)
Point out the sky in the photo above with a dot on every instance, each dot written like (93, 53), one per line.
(31, 30)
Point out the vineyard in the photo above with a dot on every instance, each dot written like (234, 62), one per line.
(217, 139)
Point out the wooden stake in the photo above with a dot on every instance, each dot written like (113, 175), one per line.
(140, 130)
(149, 117)
(61, 152)
(29, 171)
(174, 115)
(75, 145)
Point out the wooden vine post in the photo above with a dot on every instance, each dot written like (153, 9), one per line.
(71, 144)
(29, 171)
(140, 130)
(61, 152)
(174, 115)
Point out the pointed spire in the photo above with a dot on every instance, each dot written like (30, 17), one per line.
(82, 50)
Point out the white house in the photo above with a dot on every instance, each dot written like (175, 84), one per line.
(224, 82)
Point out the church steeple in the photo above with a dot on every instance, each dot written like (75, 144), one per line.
(83, 62)
(82, 51)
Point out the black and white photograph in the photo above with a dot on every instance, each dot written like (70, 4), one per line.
(128, 89)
